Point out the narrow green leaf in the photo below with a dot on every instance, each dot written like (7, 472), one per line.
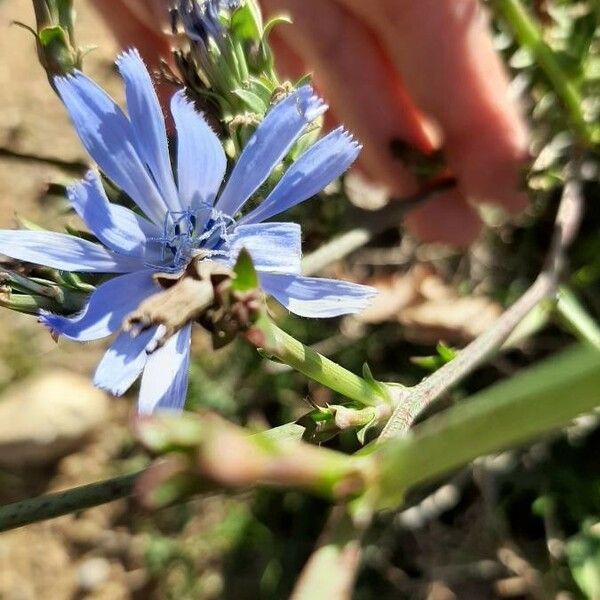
(246, 23)
(254, 102)
(273, 22)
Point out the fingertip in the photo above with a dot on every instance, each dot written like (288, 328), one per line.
(491, 170)
(393, 180)
(448, 219)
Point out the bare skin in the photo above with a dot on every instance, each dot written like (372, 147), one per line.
(420, 71)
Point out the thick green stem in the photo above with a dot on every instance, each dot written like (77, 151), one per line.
(539, 400)
(530, 36)
(54, 505)
(278, 344)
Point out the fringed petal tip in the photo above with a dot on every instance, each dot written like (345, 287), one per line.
(309, 105)
(181, 100)
(128, 54)
(91, 177)
(350, 138)
(68, 78)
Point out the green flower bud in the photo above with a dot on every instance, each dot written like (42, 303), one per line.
(55, 38)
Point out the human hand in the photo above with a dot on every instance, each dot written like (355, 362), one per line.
(419, 71)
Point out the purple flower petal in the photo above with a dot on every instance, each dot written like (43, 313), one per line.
(64, 252)
(123, 362)
(274, 247)
(315, 297)
(272, 140)
(116, 226)
(107, 306)
(323, 162)
(165, 378)
(148, 125)
(108, 137)
(201, 161)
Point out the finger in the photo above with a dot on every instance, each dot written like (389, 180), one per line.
(448, 218)
(444, 52)
(358, 81)
(289, 64)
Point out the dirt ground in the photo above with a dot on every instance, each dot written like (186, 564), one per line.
(35, 134)
(83, 556)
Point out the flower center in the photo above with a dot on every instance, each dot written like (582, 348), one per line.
(187, 234)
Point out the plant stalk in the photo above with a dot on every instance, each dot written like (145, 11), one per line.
(512, 412)
(57, 504)
(276, 343)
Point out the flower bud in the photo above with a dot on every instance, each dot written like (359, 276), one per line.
(55, 38)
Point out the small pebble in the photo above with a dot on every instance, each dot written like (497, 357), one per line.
(92, 573)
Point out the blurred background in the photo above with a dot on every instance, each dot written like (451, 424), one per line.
(523, 524)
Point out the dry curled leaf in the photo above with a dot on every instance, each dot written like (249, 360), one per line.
(429, 309)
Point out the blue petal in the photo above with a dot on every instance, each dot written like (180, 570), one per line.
(148, 124)
(123, 362)
(323, 162)
(64, 252)
(274, 247)
(270, 143)
(316, 297)
(201, 161)
(108, 136)
(165, 378)
(108, 305)
(116, 226)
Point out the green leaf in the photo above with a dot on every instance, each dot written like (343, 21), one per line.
(246, 22)
(254, 102)
(284, 433)
(304, 80)
(378, 387)
(447, 353)
(583, 556)
(74, 281)
(361, 434)
(432, 363)
(262, 88)
(245, 277)
(273, 22)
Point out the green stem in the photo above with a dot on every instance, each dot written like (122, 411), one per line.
(530, 36)
(537, 401)
(331, 570)
(54, 505)
(576, 318)
(278, 344)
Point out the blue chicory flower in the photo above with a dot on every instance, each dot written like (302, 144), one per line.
(179, 220)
